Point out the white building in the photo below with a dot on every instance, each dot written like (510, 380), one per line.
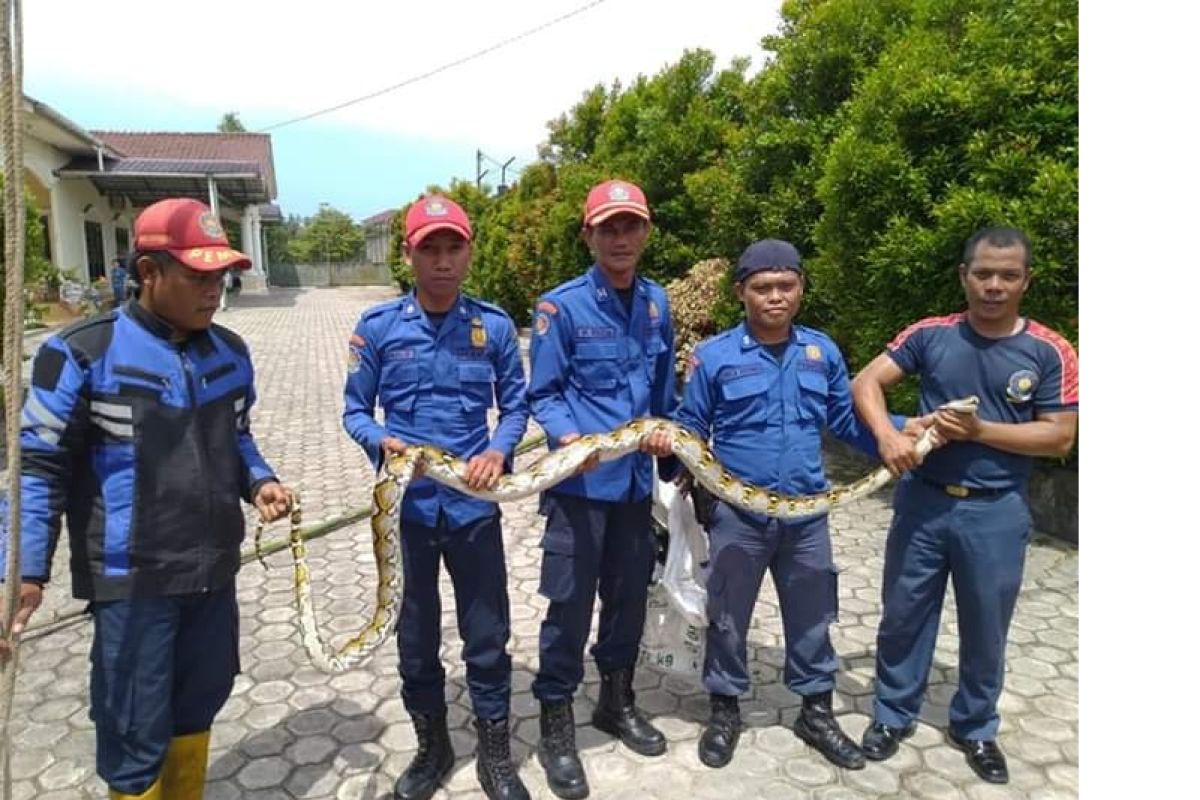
(90, 185)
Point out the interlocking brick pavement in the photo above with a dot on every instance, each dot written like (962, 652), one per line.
(292, 732)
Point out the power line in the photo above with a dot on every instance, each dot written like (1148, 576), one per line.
(409, 81)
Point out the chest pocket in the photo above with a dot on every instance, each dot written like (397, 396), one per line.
(812, 396)
(598, 367)
(137, 382)
(744, 401)
(654, 347)
(398, 385)
(475, 385)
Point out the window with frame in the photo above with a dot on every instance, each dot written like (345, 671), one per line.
(94, 237)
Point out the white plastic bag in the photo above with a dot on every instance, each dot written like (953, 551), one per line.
(673, 637)
(669, 643)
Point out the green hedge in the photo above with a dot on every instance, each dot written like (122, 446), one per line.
(877, 137)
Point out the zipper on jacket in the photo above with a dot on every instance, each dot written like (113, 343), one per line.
(201, 450)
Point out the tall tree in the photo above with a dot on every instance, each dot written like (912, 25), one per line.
(231, 123)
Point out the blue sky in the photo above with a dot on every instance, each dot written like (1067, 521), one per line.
(355, 169)
(272, 61)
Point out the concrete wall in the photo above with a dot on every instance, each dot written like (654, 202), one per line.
(68, 198)
(330, 275)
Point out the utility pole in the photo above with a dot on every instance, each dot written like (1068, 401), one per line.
(480, 171)
(503, 187)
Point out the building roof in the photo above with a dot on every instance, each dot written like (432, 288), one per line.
(45, 123)
(190, 147)
(382, 218)
(146, 180)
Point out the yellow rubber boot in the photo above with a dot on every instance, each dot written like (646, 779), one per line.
(155, 792)
(187, 764)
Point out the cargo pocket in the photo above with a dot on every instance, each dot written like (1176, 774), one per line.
(831, 589)
(598, 367)
(716, 607)
(113, 695)
(558, 575)
(743, 402)
(475, 385)
(812, 396)
(812, 596)
(398, 386)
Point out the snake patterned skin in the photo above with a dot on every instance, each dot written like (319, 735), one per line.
(548, 470)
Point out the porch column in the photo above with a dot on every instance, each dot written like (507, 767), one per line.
(248, 233)
(256, 234)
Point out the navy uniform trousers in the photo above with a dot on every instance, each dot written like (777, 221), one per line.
(474, 555)
(799, 555)
(979, 543)
(161, 667)
(591, 544)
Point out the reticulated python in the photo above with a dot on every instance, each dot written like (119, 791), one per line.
(548, 470)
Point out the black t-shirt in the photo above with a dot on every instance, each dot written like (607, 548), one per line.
(778, 350)
(626, 296)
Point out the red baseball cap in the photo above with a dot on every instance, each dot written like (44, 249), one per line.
(190, 232)
(435, 213)
(614, 197)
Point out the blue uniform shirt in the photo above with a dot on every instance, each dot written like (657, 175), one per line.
(765, 417)
(1016, 377)
(435, 387)
(594, 367)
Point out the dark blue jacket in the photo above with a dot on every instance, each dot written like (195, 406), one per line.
(145, 445)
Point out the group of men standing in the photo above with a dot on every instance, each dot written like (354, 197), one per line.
(602, 353)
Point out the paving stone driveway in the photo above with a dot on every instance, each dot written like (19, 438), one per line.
(292, 732)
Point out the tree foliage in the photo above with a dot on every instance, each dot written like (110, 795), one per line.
(329, 236)
(231, 122)
(877, 137)
(38, 268)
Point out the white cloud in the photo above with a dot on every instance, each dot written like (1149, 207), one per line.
(275, 60)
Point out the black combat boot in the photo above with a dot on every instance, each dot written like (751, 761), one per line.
(493, 762)
(557, 754)
(616, 715)
(817, 726)
(720, 736)
(433, 761)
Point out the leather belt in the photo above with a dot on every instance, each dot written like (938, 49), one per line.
(960, 491)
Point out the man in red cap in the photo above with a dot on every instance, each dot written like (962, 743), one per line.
(602, 354)
(137, 426)
(434, 360)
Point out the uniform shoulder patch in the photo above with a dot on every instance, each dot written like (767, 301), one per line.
(546, 306)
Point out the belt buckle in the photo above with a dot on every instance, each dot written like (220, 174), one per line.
(957, 491)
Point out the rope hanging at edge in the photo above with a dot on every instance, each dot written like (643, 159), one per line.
(12, 98)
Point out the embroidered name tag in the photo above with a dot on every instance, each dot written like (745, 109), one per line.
(400, 354)
(595, 332)
(739, 371)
